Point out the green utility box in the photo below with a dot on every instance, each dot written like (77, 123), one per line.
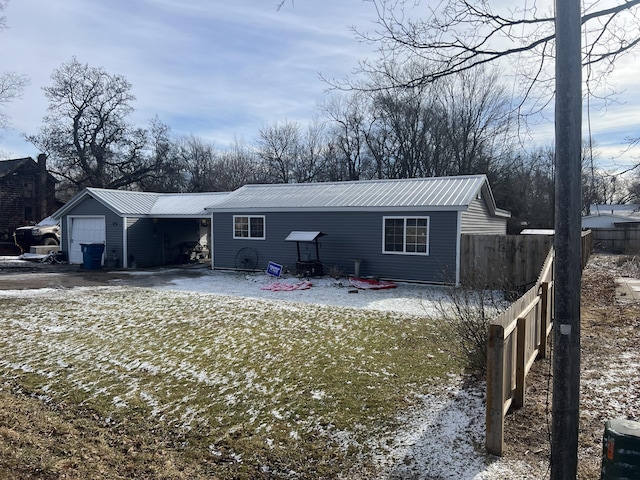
(621, 450)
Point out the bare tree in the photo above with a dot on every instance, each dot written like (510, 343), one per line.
(475, 111)
(525, 182)
(198, 159)
(460, 35)
(3, 19)
(455, 125)
(278, 147)
(350, 119)
(168, 169)
(11, 88)
(236, 167)
(403, 119)
(85, 132)
(311, 159)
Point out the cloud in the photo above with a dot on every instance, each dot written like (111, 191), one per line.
(220, 69)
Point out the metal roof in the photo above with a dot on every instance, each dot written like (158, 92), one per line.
(179, 204)
(450, 193)
(301, 236)
(125, 202)
(128, 203)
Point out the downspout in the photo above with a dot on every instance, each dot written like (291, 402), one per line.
(458, 239)
(211, 243)
(125, 249)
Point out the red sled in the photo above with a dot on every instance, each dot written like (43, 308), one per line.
(371, 284)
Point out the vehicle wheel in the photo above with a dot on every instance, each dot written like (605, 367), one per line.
(49, 241)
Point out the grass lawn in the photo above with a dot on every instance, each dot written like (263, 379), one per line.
(139, 383)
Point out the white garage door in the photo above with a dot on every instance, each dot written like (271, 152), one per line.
(84, 230)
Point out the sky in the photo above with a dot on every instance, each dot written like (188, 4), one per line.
(221, 70)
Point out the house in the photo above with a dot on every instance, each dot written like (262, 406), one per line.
(615, 228)
(407, 229)
(137, 228)
(27, 195)
(611, 216)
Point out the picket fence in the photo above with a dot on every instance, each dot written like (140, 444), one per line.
(516, 339)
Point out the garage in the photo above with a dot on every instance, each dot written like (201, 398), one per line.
(84, 230)
(138, 229)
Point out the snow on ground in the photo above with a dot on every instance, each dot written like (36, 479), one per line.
(407, 298)
(442, 439)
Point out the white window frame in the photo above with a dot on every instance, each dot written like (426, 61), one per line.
(404, 234)
(249, 237)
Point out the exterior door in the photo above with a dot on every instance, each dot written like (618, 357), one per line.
(84, 230)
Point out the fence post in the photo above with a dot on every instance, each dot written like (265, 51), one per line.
(521, 362)
(495, 391)
(544, 319)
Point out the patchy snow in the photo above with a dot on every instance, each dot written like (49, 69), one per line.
(443, 438)
(407, 298)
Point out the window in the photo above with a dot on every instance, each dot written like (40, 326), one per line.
(28, 214)
(28, 190)
(248, 227)
(406, 235)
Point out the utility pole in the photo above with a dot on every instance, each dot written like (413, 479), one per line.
(566, 346)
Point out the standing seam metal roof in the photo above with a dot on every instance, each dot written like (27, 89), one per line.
(443, 192)
(128, 203)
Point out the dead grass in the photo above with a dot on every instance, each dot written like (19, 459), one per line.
(135, 383)
(58, 419)
(609, 379)
(47, 441)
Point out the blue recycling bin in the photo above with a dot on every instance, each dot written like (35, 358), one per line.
(92, 255)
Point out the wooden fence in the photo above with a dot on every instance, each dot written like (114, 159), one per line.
(516, 338)
(502, 262)
(624, 239)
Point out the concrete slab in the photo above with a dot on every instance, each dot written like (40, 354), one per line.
(627, 290)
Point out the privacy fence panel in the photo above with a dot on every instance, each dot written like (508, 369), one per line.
(502, 262)
(617, 240)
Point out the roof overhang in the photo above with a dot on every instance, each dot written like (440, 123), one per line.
(302, 236)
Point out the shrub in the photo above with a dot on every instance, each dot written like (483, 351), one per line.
(463, 318)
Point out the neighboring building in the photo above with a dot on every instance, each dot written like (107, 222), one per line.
(138, 228)
(538, 231)
(615, 228)
(406, 229)
(27, 195)
(607, 216)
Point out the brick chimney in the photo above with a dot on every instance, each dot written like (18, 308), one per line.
(42, 191)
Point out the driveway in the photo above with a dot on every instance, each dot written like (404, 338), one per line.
(16, 274)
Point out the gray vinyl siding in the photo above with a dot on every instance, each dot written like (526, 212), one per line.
(349, 235)
(113, 225)
(478, 220)
(144, 246)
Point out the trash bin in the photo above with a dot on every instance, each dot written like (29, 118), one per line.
(92, 255)
(620, 450)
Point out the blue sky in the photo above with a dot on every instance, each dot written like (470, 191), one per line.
(219, 69)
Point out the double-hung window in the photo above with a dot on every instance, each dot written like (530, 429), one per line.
(245, 226)
(406, 235)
